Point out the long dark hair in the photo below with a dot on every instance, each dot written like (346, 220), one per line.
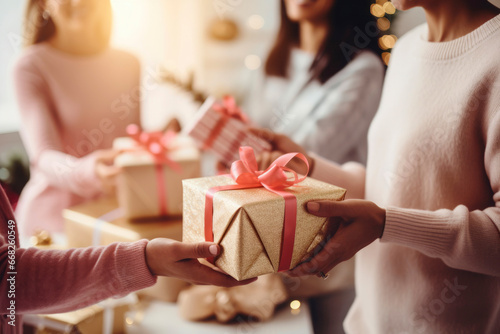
(348, 20)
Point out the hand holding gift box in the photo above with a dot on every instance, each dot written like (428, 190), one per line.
(222, 128)
(153, 166)
(258, 217)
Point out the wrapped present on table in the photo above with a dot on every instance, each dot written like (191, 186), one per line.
(258, 217)
(101, 222)
(257, 300)
(222, 128)
(153, 167)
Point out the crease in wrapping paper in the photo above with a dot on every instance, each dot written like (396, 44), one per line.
(248, 224)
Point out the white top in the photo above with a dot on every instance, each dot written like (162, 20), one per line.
(332, 119)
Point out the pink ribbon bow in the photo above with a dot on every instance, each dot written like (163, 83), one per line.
(229, 108)
(246, 174)
(158, 144)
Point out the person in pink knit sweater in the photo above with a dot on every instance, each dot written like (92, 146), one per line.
(75, 95)
(54, 281)
(423, 217)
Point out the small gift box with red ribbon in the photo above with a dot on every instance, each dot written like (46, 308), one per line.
(153, 167)
(258, 217)
(221, 127)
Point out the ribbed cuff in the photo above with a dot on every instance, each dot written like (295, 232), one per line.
(427, 231)
(131, 266)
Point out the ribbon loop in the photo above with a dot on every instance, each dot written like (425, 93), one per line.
(229, 108)
(245, 170)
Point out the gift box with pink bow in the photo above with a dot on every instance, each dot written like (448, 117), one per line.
(153, 166)
(258, 217)
(221, 127)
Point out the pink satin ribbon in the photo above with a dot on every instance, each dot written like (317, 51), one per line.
(158, 144)
(227, 109)
(246, 174)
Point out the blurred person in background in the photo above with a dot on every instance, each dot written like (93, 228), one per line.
(323, 77)
(321, 86)
(75, 94)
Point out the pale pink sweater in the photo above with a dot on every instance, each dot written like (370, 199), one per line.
(434, 163)
(70, 107)
(58, 281)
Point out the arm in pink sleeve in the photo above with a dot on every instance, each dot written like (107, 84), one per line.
(350, 176)
(50, 281)
(463, 239)
(59, 281)
(41, 136)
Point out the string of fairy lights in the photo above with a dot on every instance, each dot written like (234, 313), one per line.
(384, 11)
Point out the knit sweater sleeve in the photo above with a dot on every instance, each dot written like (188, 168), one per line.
(50, 281)
(464, 239)
(41, 135)
(350, 176)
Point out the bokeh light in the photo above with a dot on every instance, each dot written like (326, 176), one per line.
(256, 22)
(389, 8)
(377, 10)
(386, 56)
(253, 62)
(383, 24)
(387, 42)
(295, 304)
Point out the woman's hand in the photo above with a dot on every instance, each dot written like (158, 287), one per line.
(105, 169)
(166, 257)
(360, 223)
(281, 144)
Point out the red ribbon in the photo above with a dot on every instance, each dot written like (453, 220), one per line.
(227, 109)
(246, 174)
(158, 144)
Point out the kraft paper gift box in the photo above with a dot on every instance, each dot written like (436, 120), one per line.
(221, 127)
(100, 222)
(88, 320)
(151, 187)
(248, 223)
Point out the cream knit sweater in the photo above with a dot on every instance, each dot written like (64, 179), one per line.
(434, 163)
